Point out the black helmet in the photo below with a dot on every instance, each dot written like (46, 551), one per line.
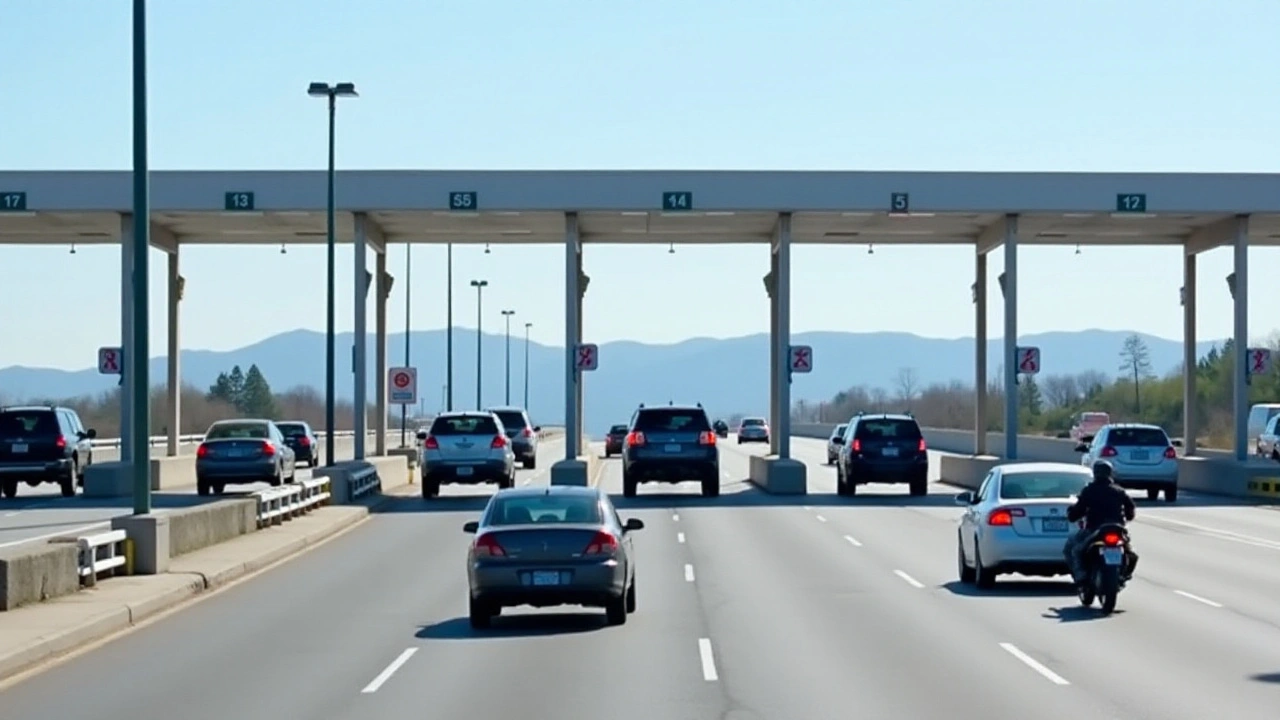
(1102, 471)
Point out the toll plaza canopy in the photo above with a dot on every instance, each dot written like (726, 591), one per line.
(1197, 212)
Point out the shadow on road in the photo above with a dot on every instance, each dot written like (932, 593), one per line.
(516, 626)
(1013, 589)
(1077, 613)
(1271, 677)
(161, 500)
(742, 493)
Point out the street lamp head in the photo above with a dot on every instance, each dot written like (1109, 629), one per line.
(1231, 285)
(345, 90)
(318, 89)
(479, 283)
(508, 313)
(528, 325)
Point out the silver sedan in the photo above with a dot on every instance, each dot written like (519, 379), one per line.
(1016, 522)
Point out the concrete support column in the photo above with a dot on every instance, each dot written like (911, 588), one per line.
(580, 393)
(361, 287)
(572, 276)
(1011, 337)
(980, 353)
(771, 290)
(126, 337)
(173, 412)
(1190, 406)
(1241, 337)
(380, 351)
(782, 290)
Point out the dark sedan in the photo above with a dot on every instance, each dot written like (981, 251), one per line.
(242, 451)
(550, 546)
(302, 440)
(613, 441)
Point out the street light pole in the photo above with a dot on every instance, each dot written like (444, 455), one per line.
(507, 314)
(408, 310)
(139, 351)
(479, 285)
(448, 333)
(331, 93)
(526, 365)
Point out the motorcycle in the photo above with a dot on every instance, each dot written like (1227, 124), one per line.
(1105, 558)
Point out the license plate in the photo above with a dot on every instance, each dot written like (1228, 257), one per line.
(18, 447)
(1054, 525)
(1140, 455)
(465, 471)
(889, 452)
(673, 447)
(543, 578)
(1112, 556)
(238, 452)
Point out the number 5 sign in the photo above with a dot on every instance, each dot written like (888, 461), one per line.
(1259, 361)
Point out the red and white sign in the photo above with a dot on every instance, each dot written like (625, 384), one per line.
(402, 386)
(587, 357)
(110, 361)
(1259, 361)
(801, 359)
(1028, 360)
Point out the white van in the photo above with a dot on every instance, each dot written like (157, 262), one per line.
(1259, 415)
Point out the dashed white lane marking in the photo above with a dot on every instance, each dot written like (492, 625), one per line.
(688, 573)
(675, 517)
(727, 476)
(391, 669)
(708, 660)
(853, 541)
(1197, 598)
(808, 507)
(908, 579)
(1032, 663)
(1216, 533)
(679, 537)
(527, 481)
(820, 518)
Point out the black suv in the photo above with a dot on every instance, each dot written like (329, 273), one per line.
(670, 444)
(882, 448)
(43, 444)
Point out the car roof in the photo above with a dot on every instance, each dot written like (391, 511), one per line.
(504, 408)
(228, 421)
(29, 408)
(682, 406)
(884, 416)
(1135, 426)
(464, 413)
(292, 422)
(1030, 467)
(523, 492)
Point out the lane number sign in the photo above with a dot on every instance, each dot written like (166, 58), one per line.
(402, 386)
(464, 200)
(1259, 361)
(801, 359)
(238, 201)
(677, 200)
(110, 361)
(899, 203)
(13, 201)
(1131, 203)
(1029, 360)
(588, 357)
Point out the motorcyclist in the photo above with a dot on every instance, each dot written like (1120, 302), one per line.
(1101, 502)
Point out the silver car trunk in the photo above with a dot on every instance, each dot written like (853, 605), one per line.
(464, 448)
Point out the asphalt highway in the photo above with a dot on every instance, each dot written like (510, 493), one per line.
(750, 607)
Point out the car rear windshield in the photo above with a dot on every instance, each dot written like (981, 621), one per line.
(750, 422)
(1142, 437)
(292, 429)
(1037, 485)
(839, 431)
(511, 419)
(234, 431)
(888, 429)
(465, 425)
(28, 424)
(543, 509)
(1095, 418)
(618, 430)
(672, 420)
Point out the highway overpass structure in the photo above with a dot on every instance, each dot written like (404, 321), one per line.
(1195, 212)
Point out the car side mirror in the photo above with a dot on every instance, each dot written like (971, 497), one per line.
(470, 527)
(91, 434)
(633, 524)
(537, 428)
(965, 498)
(422, 435)
(1081, 448)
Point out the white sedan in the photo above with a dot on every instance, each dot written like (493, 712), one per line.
(1016, 522)
(834, 442)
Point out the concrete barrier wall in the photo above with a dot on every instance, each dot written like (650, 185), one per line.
(191, 529)
(31, 574)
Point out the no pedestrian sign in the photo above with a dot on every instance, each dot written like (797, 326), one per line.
(1028, 360)
(587, 357)
(402, 386)
(110, 361)
(801, 359)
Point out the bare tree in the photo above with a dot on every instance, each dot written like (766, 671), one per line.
(1060, 390)
(1135, 360)
(879, 399)
(908, 383)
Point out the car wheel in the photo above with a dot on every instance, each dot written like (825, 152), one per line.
(919, 488)
(202, 487)
(10, 488)
(67, 485)
(711, 488)
(1153, 493)
(430, 488)
(219, 488)
(615, 610)
(480, 614)
(628, 485)
(965, 572)
(278, 479)
(631, 596)
(1171, 494)
(982, 576)
(531, 463)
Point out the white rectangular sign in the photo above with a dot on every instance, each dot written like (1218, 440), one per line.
(801, 359)
(1028, 360)
(587, 357)
(1259, 361)
(110, 361)
(402, 386)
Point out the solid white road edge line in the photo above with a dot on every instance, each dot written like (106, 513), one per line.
(908, 579)
(688, 573)
(679, 537)
(70, 533)
(1197, 598)
(1032, 663)
(853, 541)
(820, 518)
(708, 660)
(391, 669)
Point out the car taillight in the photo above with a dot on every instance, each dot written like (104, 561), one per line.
(304, 441)
(488, 546)
(1170, 453)
(1111, 539)
(527, 432)
(635, 439)
(1004, 516)
(602, 544)
(856, 445)
(431, 443)
(923, 447)
(707, 438)
(268, 449)
(61, 442)
(1108, 451)
(202, 451)
(499, 441)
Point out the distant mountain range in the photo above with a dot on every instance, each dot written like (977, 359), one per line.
(726, 376)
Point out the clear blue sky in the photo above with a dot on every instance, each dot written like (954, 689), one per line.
(807, 84)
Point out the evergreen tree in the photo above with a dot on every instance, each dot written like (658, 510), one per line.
(221, 390)
(236, 382)
(1029, 397)
(256, 399)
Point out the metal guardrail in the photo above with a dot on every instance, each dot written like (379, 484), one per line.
(363, 482)
(101, 553)
(286, 502)
(155, 440)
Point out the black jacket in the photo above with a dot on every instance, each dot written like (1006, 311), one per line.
(1100, 503)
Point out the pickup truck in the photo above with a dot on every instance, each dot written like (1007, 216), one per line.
(1087, 424)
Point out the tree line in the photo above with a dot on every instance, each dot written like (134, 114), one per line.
(235, 393)
(1048, 403)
